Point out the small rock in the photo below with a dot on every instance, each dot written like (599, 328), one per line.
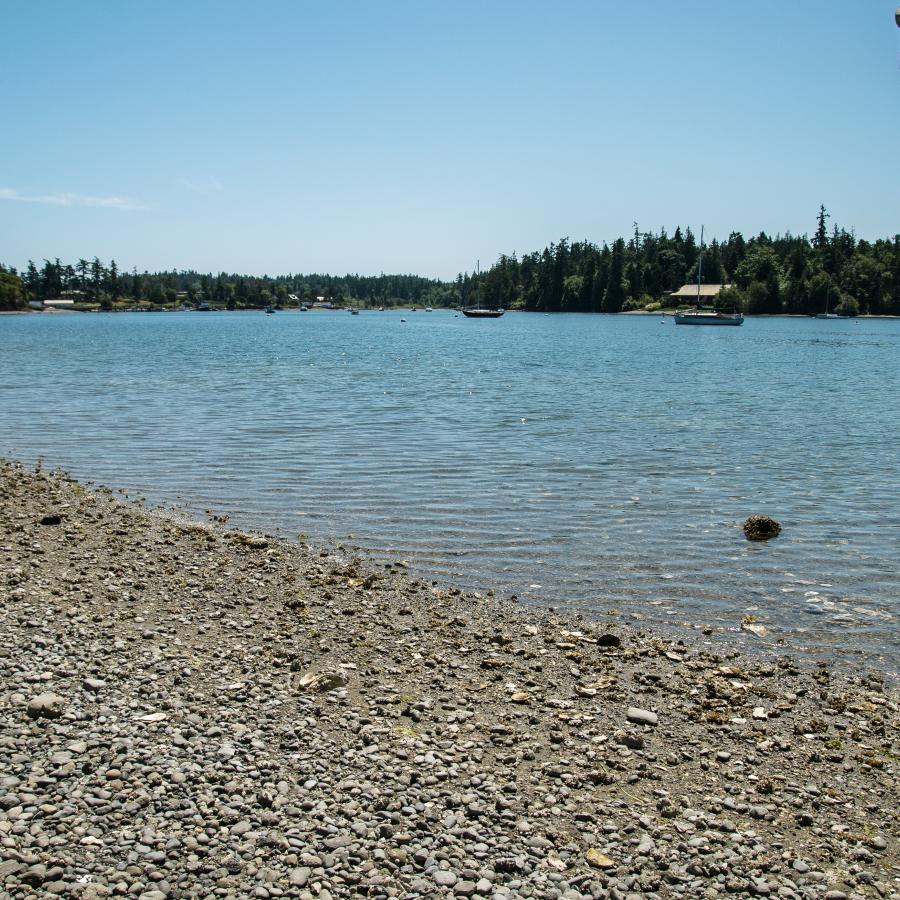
(629, 739)
(641, 716)
(46, 706)
(599, 860)
(646, 845)
(321, 681)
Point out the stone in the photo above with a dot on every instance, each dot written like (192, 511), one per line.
(629, 739)
(646, 846)
(321, 681)
(46, 706)
(641, 716)
(599, 860)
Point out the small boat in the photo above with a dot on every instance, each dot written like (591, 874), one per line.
(203, 307)
(354, 311)
(478, 311)
(270, 311)
(482, 312)
(304, 308)
(700, 315)
(428, 309)
(826, 314)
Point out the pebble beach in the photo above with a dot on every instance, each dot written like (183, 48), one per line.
(188, 711)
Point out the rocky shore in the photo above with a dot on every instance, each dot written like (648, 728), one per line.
(191, 711)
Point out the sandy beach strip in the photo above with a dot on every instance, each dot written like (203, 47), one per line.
(191, 711)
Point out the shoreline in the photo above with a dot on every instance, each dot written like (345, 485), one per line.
(630, 312)
(239, 715)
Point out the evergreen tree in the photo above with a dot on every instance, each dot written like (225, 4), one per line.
(12, 290)
(97, 273)
(616, 288)
(113, 284)
(32, 281)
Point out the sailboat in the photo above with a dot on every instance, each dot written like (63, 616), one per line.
(826, 314)
(709, 316)
(479, 311)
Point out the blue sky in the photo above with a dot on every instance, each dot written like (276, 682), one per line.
(419, 137)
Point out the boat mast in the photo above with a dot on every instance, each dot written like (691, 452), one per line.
(699, 267)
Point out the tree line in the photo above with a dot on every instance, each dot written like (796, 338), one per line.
(788, 273)
(93, 283)
(832, 270)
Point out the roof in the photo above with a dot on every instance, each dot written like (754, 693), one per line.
(706, 290)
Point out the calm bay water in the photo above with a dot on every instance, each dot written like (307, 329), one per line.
(593, 462)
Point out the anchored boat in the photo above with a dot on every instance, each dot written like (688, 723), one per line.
(479, 311)
(700, 315)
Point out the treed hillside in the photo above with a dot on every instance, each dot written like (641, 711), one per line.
(781, 274)
(92, 282)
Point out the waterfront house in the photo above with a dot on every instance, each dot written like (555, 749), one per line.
(60, 302)
(688, 293)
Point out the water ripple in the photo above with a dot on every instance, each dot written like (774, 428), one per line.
(587, 461)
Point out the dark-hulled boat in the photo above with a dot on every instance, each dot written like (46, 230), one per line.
(482, 312)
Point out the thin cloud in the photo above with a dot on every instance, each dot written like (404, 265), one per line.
(67, 198)
(208, 185)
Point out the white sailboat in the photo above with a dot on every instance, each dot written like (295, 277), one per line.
(826, 314)
(700, 316)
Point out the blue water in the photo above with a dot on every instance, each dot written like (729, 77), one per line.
(593, 462)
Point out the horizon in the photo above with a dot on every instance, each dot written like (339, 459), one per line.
(410, 140)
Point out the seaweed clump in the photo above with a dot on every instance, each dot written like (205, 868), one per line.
(761, 528)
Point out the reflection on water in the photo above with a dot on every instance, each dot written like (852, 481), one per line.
(589, 461)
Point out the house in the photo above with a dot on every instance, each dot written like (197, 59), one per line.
(689, 293)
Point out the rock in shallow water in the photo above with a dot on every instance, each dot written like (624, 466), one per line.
(761, 528)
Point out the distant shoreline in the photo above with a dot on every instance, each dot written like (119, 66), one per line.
(631, 312)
